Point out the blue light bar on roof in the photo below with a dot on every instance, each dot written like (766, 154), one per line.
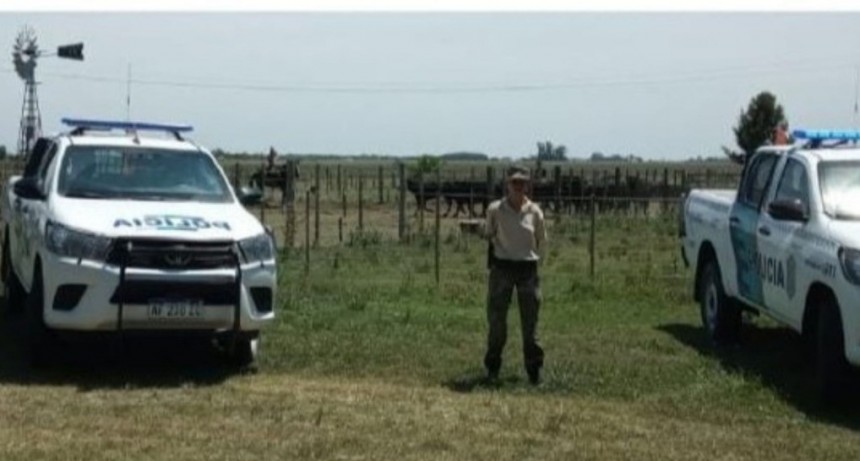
(119, 125)
(827, 135)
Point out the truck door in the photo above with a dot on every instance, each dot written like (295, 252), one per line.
(30, 211)
(19, 246)
(743, 225)
(781, 246)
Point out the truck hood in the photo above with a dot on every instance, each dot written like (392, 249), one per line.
(157, 219)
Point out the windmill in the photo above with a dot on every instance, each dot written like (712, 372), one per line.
(25, 54)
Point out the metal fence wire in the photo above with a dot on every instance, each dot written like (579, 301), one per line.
(315, 210)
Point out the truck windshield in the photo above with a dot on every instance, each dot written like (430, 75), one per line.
(139, 173)
(840, 189)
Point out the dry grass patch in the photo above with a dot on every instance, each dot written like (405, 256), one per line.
(286, 417)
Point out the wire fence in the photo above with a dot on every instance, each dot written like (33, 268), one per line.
(324, 208)
(601, 233)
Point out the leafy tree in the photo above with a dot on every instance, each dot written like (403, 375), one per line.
(546, 151)
(2, 151)
(426, 164)
(756, 125)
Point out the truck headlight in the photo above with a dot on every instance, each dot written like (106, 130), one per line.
(67, 242)
(849, 259)
(258, 248)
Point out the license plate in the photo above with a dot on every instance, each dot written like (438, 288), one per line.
(163, 309)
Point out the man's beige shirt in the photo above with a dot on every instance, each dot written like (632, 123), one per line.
(517, 235)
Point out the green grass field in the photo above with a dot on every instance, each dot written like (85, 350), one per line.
(371, 359)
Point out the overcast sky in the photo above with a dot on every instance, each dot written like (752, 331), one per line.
(657, 85)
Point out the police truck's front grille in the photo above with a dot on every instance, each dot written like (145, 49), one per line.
(143, 291)
(172, 255)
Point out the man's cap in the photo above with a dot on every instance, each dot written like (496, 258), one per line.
(518, 172)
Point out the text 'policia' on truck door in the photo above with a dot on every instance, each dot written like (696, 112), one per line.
(743, 225)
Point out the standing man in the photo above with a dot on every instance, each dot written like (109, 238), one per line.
(517, 235)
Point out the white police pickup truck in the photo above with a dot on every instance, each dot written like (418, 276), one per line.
(113, 231)
(786, 244)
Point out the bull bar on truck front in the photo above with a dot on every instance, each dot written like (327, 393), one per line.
(125, 252)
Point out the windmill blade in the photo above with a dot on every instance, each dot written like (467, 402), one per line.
(25, 51)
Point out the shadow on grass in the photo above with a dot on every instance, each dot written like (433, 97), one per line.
(105, 363)
(478, 380)
(778, 359)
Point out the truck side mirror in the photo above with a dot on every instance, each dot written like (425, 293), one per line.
(28, 188)
(788, 210)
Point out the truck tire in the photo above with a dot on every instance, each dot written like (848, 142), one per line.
(13, 292)
(831, 367)
(243, 355)
(721, 316)
(38, 338)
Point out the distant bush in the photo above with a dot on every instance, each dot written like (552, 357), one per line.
(468, 156)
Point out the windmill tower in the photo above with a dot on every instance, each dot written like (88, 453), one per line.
(24, 55)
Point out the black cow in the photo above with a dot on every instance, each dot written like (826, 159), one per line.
(463, 194)
(428, 193)
(557, 196)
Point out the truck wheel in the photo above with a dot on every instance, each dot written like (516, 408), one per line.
(13, 292)
(244, 354)
(832, 369)
(37, 336)
(721, 317)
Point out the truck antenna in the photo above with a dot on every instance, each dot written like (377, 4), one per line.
(856, 93)
(128, 95)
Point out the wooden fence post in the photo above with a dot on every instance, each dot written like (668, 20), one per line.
(471, 199)
(307, 231)
(556, 176)
(379, 184)
(316, 204)
(421, 203)
(582, 188)
(262, 196)
(360, 203)
(438, 221)
(401, 209)
(490, 193)
(288, 200)
(665, 192)
(591, 239)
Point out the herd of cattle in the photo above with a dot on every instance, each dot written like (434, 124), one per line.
(562, 194)
(567, 195)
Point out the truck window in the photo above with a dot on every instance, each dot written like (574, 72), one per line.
(36, 156)
(140, 173)
(794, 184)
(42, 173)
(840, 188)
(757, 179)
